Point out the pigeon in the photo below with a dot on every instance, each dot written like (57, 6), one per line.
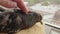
(12, 22)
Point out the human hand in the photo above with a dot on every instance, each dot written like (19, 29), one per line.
(14, 4)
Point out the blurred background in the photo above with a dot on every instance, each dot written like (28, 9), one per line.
(50, 10)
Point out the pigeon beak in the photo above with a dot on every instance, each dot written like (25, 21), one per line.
(41, 22)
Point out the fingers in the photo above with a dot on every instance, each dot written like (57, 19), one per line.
(14, 4)
(8, 3)
(20, 4)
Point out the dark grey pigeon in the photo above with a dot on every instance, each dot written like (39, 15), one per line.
(12, 22)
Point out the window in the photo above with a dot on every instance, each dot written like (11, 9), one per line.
(49, 9)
